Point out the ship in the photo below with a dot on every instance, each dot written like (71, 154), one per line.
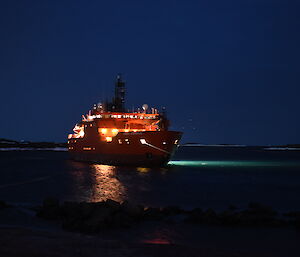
(110, 135)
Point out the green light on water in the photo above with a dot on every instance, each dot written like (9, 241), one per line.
(232, 163)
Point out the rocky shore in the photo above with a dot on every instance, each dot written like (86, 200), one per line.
(86, 217)
(110, 228)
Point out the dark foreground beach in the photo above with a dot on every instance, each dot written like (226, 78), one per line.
(216, 179)
(25, 242)
(41, 231)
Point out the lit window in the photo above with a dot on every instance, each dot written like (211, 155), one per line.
(108, 139)
(120, 141)
(104, 131)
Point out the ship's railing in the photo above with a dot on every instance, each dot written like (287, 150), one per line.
(115, 131)
(120, 116)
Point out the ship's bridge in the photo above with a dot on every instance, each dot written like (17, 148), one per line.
(126, 122)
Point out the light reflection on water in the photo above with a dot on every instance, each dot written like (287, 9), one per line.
(96, 182)
(197, 177)
(229, 163)
(106, 184)
(191, 183)
(142, 169)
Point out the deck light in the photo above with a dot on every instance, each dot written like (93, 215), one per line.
(143, 141)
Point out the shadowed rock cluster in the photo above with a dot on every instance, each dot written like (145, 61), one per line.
(3, 205)
(255, 215)
(89, 217)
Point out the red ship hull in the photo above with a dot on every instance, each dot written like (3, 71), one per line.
(110, 135)
(148, 148)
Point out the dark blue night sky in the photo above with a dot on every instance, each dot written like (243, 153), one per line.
(227, 71)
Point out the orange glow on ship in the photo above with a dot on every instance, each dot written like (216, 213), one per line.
(110, 135)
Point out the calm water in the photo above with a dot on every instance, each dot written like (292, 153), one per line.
(196, 177)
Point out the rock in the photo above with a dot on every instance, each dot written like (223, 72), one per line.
(50, 202)
(261, 209)
(172, 210)
(71, 210)
(228, 218)
(296, 223)
(121, 219)
(195, 216)
(72, 224)
(113, 204)
(250, 218)
(210, 216)
(90, 217)
(294, 218)
(152, 213)
(100, 218)
(3, 205)
(232, 207)
(50, 209)
(258, 215)
(132, 210)
(292, 214)
(86, 209)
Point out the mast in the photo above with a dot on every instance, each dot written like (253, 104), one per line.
(119, 99)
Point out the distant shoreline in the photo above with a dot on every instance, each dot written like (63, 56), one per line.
(273, 147)
(27, 145)
(7, 144)
(268, 148)
(59, 149)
